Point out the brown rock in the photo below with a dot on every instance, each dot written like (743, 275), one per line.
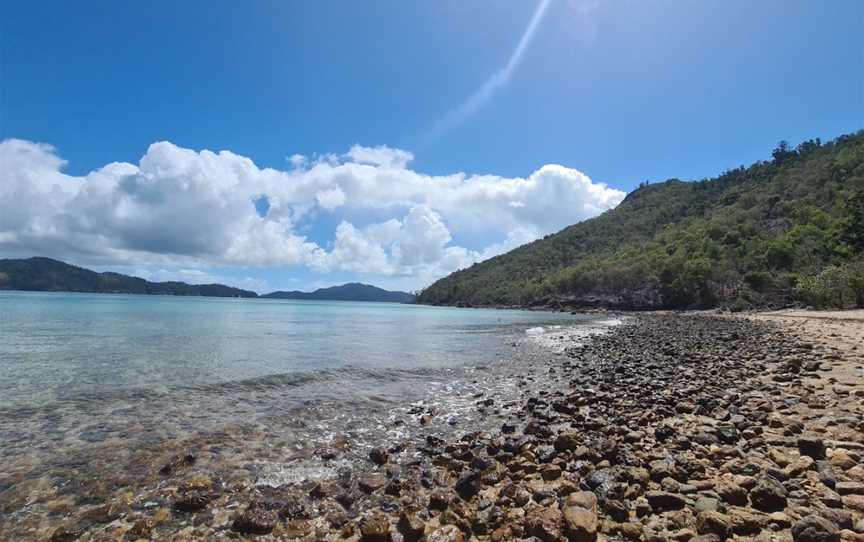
(815, 529)
(710, 522)
(255, 521)
(410, 526)
(447, 533)
(375, 528)
(580, 524)
(842, 460)
(850, 488)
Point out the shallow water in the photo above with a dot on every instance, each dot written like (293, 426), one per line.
(73, 362)
(108, 384)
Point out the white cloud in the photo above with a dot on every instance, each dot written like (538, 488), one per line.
(183, 209)
(379, 156)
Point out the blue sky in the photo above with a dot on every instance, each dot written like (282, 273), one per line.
(615, 92)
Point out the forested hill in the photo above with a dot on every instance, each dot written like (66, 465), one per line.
(353, 291)
(786, 230)
(47, 275)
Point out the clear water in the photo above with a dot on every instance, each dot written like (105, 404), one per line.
(70, 364)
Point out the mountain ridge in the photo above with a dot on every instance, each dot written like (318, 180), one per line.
(760, 236)
(43, 274)
(352, 291)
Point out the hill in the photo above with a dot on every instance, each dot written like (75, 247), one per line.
(353, 291)
(781, 231)
(47, 275)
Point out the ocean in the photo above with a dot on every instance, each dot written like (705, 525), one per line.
(107, 386)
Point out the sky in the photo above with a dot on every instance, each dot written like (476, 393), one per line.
(294, 145)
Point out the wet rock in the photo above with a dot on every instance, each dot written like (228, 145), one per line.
(468, 486)
(447, 533)
(567, 442)
(410, 526)
(815, 529)
(255, 521)
(439, 500)
(375, 528)
(372, 482)
(192, 502)
(176, 463)
(379, 456)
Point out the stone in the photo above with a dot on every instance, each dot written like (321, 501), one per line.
(410, 526)
(375, 528)
(710, 522)
(566, 442)
(379, 456)
(255, 521)
(815, 529)
(447, 533)
(731, 492)
(369, 483)
(842, 460)
(580, 524)
(854, 502)
(707, 504)
(768, 495)
(811, 447)
(545, 524)
(849, 488)
(662, 501)
(192, 502)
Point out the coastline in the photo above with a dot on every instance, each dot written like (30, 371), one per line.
(671, 427)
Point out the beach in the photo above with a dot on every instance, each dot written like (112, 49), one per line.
(663, 427)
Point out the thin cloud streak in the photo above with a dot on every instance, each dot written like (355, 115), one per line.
(478, 99)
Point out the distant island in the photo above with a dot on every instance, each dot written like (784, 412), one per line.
(48, 275)
(353, 291)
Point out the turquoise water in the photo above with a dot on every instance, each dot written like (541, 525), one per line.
(88, 368)
(97, 391)
(59, 347)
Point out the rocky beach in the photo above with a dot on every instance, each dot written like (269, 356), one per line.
(668, 427)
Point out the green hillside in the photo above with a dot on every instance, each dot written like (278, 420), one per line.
(47, 275)
(786, 230)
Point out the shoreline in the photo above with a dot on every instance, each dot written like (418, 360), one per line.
(671, 427)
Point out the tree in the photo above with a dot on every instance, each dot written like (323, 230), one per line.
(783, 152)
(853, 233)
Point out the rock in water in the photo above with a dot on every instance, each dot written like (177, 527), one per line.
(447, 533)
(375, 529)
(379, 456)
(255, 521)
(815, 529)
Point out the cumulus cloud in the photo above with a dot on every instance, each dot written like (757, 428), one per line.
(185, 209)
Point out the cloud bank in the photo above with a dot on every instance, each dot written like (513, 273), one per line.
(185, 209)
